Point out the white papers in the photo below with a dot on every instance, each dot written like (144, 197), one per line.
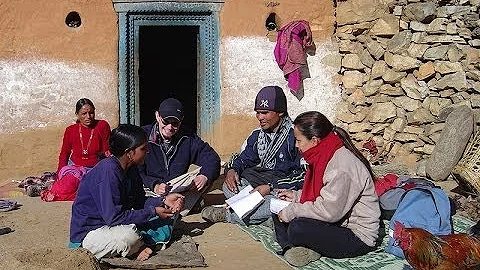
(178, 184)
(243, 202)
(182, 182)
(277, 205)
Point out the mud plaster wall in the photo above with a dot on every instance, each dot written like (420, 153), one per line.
(247, 64)
(45, 67)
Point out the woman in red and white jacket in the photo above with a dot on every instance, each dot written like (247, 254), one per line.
(336, 214)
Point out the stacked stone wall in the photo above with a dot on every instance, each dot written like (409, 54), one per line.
(405, 66)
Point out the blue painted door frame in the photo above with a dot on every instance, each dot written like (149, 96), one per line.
(132, 15)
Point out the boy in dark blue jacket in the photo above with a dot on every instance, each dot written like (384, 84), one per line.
(171, 151)
(111, 215)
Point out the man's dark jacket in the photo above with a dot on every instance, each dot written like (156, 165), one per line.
(188, 149)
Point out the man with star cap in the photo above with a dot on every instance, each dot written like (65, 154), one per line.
(268, 160)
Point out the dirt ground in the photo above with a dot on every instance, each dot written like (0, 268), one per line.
(41, 233)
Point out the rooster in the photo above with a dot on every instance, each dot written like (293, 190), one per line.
(426, 251)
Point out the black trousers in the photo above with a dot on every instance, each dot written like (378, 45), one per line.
(330, 240)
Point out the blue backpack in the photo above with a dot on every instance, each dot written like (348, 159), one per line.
(423, 207)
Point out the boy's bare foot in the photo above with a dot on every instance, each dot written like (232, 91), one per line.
(144, 254)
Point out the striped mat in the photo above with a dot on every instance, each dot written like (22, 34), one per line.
(374, 260)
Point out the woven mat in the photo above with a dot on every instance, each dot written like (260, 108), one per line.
(374, 260)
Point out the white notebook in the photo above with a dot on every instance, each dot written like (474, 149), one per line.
(178, 184)
(244, 202)
(277, 205)
(182, 183)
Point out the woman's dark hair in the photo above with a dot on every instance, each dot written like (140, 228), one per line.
(126, 137)
(81, 102)
(314, 124)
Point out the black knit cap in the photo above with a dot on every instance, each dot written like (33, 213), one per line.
(271, 98)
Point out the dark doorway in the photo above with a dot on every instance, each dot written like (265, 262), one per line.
(168, 68)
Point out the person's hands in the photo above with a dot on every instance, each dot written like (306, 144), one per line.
(285, 194)
(199, 183)
(262, 189)
(163, 212)
(160, 188)
(175, 202)
(232, 180)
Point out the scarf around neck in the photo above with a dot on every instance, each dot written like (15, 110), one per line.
(267, 150)
(317, 158)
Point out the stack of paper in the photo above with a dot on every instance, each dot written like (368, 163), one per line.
(244, 202)
(277, 205)
(182, 183)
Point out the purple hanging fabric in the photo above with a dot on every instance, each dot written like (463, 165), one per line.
(292, 41)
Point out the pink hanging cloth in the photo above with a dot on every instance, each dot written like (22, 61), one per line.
(292, 41)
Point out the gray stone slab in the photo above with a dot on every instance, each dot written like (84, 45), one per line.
(181, 253)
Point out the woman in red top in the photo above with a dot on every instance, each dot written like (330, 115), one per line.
(85, 141)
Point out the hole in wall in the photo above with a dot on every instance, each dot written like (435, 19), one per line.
(73, 19)
(270, 22)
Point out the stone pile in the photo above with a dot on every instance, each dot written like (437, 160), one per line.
(467, 206)
(406, 64)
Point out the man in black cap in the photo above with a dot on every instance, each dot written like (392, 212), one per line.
(171, 151)
(268, 160)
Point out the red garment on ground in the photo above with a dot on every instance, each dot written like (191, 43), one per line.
(66, 186)
(72, 147)
(382, 184)
(64, 189)
(317, 158)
